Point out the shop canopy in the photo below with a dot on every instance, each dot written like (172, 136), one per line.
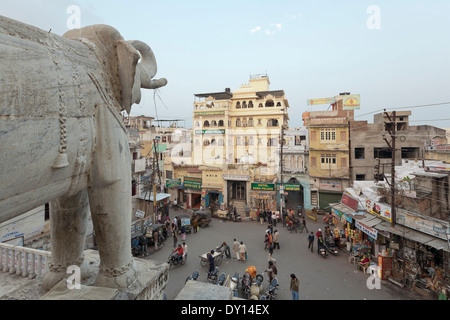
(414, 235)
(159, 197)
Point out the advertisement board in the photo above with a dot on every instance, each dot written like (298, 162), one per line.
(313, 102)
(351, 102)
(380, 210)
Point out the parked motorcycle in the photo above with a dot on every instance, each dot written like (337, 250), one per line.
(294, 225)
(193, 277)
(234, 284)
(233, 215)
(271, 291)
(213, 276)
(256, 288)
(174, 259)
(221, 280)
(331, 246)
(246, 285)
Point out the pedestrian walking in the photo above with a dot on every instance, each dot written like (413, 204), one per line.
(210, 256)
(311, 241)
(243, 252)
(195, 225)
(304, 224)
(270, 256)
(294, 287)
(276, 239)
(274, 218)
(235, 249)
(175, 204)
(272, 271)
(175, 237)
(183, 234)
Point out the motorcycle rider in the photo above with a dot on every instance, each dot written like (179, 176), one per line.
(179, 250)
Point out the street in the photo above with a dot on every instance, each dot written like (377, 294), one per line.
(330, 278)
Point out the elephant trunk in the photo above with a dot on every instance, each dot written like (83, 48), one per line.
(147, 68)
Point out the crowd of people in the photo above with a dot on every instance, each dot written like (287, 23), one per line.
(267, 218)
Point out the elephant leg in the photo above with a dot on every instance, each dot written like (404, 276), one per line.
(68, 225)
(111, 210)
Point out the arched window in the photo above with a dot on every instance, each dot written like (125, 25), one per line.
(213, 141)
(197, 124)
(214, 123)
(244, 104)
(270, 103)
(244, 122)
(272, 123)
(238, 141)
(278, 104)
(221, 123)
(250, 141)
(238, 122)
(250, 104)
(238, 105)
(206, 123)
(206, 143)
(250, 122)
(260, 105)
(220, 142)
(197, 143)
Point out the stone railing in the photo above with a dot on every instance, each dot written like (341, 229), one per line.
(25, 262)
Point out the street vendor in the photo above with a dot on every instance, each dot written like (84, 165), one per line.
(364, 260)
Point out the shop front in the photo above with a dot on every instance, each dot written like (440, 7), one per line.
(263, 197)
(420, 261)
(193, 192)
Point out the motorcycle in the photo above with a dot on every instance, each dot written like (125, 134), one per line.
(233, 215)
(213, 276)
(221, 280)
(271, 291)
(331, 246)
(193, 277)
(174, 259)
(294, 226)
(321, 249)
(246, 285)
(256, 288)
(234, 284)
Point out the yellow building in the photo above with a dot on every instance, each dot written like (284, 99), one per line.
(329, 157)
(239, 133)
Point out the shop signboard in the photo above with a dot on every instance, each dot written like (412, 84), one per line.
(380, 210)
(210, 131)
(209, 113)
(263, 186)
(330, 185)
(313, 102)
(290, 186)
(373, 233)
(434, 227)
(349, 201)
(173, 183)
(192, 183)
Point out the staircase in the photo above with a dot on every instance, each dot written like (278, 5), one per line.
(240, 206)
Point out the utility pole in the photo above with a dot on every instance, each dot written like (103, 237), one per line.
(281, 170)
(392, 131)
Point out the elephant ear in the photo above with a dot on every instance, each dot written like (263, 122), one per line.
(129, 78)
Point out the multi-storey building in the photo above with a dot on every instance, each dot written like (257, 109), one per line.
(238, 133)
(371, 154)
(329, 155)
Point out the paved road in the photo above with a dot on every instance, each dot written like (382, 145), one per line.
(331, 278)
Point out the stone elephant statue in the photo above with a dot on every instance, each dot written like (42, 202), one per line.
(63, 141)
